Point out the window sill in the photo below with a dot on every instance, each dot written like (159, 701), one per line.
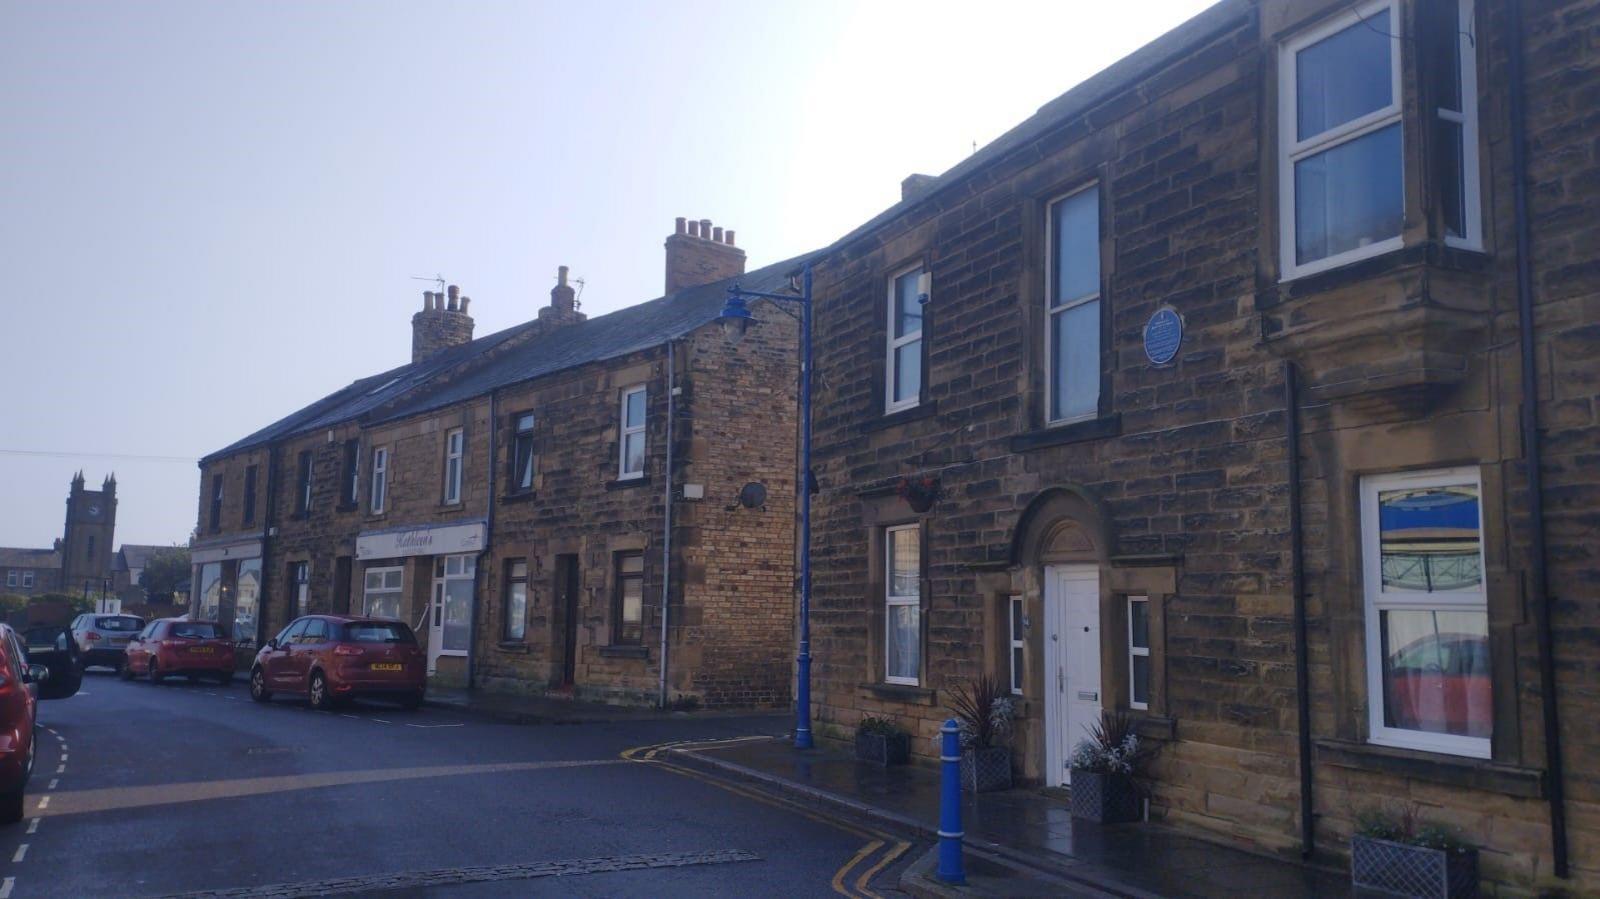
(913, 413)
(1061, 435)
(901, 693)
(624, 651)
(1455, 771)
(455, 506)
(625, 483)
(511, 499)
(1433, 253)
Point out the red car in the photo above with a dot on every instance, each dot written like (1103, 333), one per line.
(172, 646)
(1441, 684)
(330, 658)
(19, 715)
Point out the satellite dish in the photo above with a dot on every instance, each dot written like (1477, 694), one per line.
(753, 495)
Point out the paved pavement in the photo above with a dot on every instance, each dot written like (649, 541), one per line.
(147, 790)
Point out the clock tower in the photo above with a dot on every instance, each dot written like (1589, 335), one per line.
(86, 545)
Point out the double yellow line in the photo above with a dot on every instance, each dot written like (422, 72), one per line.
(853, 877)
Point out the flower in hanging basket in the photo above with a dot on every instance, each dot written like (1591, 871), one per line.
(919, 491)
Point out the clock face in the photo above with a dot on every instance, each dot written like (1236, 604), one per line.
(94, 510)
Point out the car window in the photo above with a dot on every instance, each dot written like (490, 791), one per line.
(292, 632)
(196, 630)
(377, 632)
(316, 631)
(118, 623)
(16, 655)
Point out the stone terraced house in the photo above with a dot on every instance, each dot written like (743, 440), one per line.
(551, 507)
(1224, 395)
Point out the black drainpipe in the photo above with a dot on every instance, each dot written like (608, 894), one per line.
(479, 576)
(1539, 582)
(1297, 580)
(268, 520)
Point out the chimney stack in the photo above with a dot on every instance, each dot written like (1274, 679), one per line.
(563, 308)
(439, 327)
(699, 253)
(916, 185)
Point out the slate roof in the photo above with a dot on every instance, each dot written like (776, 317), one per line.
(403, 391)
(135, 555)
(604, 337)
(14, 557)
(1163, 51)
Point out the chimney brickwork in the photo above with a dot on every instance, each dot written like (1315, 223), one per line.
(563, 308)
(698, 253)
(442, 323)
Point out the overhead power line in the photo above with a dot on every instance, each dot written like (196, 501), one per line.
(97, 455)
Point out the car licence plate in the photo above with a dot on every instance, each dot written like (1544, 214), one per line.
(203, 650)
(387, 666)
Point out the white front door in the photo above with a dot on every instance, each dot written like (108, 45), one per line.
(450, 608)
(435, 624)
(1072, 662)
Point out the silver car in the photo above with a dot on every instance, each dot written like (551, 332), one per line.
(103, 639)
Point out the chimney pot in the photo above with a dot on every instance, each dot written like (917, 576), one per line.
(433, 332)
(710, 257)
(683, 225)
(427, 300)
(705, 228)
(729, 235)
(561, 273)
(694, 229)
(464, 302)
(716, 234)
(455, 294)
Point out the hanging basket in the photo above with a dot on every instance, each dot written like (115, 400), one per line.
(919, 492)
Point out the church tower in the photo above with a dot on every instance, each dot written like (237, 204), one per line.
(86, 544)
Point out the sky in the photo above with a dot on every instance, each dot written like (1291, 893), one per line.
(215, 213)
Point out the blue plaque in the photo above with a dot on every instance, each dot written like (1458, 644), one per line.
(1163, 334)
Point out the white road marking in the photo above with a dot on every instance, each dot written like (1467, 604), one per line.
(53, 782)
(22, 852)
(44, 802)
(5, 887)
(61, 769)
(63, 758)
(343, 715)
(381, 721)
(435, 725)
(33, 826)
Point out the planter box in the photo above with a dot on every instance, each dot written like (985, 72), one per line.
(983, 770)
(1104, 798)
(884, 749)
(1404, 870)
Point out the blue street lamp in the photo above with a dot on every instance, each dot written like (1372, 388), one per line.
(736, 319)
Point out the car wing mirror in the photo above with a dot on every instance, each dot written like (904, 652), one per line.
(36, 674)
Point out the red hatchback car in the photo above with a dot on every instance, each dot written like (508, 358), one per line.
(329, 658)
(19, 715)
(172, 646)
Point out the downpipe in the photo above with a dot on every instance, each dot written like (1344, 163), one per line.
(666, 526)
(1302, 663)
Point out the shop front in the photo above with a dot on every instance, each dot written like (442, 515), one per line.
(227, 589)
(427, 577)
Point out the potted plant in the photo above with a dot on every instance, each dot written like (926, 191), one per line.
(1400, 855)
(920, 492)
(984, 711)
(1104, 766)
(879, 741)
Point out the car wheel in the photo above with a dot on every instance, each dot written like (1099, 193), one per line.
(321, 698)
(156, 676)
(125, 671)
(413, 702)
(258, 686)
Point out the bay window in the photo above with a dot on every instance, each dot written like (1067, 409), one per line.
(1457, 120)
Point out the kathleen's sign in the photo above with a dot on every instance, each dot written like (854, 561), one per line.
(454, 538)
(1163, 334)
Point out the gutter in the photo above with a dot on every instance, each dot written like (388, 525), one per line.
(666, 526)
(1538, 577)
(1297, 576)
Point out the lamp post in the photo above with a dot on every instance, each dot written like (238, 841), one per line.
(736, 319)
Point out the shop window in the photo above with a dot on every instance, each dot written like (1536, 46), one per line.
(210, 591)
(516, 606)
(1072, 308)
(1139, 652)
(629, 611)
(247, 602)
(383, 592)
(1427, 622)
(903, 363)
(903, 604)
(1341, 185)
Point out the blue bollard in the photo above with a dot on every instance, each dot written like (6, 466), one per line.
(951, 867)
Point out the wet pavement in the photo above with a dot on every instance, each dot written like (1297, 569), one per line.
(1034, 827)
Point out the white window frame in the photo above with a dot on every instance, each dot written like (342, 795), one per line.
(893, 343)
(1050, 312)
(1292, 150)
(624, 432)
(11, 578)
(455, 445)
(454, 567)
(1015, 612)
(366, 593)
(1467, 118)
(302, 588)
(1377, 600)
(892, 599)
(517, 434)
(1135, 651)
(27, 579)
(380, 479)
